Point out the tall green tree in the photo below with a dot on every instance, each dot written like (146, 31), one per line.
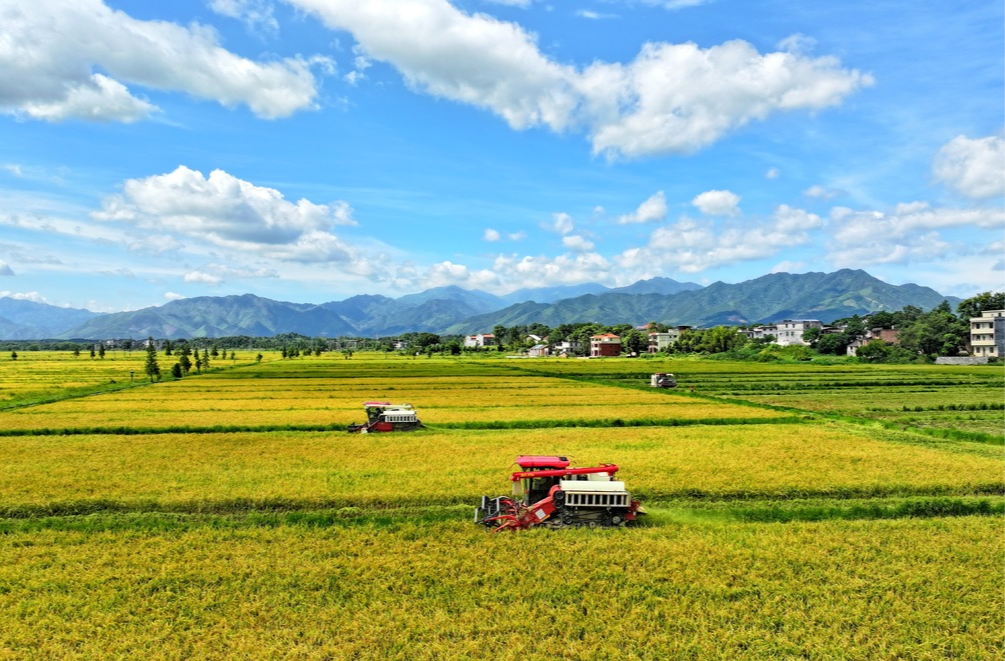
(975, 305)
(101, 350)
(185, 359)
(151, 367)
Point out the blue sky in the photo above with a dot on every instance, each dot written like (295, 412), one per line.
(310, 150)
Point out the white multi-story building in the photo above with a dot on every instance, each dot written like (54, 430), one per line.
(790, 331)
(480, 340)
(987, 334)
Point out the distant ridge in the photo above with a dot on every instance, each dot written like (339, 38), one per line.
(823, 296)
(453, 310)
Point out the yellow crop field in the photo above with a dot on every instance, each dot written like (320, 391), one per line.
(852, 589)
(772, 534)
(207, 471)
(49, 372)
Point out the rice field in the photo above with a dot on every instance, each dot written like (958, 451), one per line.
(795, 511)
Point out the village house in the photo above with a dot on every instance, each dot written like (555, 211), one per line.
(987, 334)
(606, 344)
(790, 331)
(662, 341)
(888, 335)
(538, 351)
(566, 348)
(480, 340)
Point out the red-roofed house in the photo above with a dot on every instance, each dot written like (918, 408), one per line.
(606, 344)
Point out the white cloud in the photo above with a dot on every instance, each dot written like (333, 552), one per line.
(653, 210)
(593, 15)
(975, 167)
(788, 266)
(13, 168)
(512, 3)
(717, 203)
(491, 235)
(203, 277)
(232, 213)
(256, 14)
(692, 246)
(772, 173)
(5, 269)
(517, 236)
(33, 296)
(905, 234)
(819, 192)
(214, 274)
(171, 296)
(673, 98)
(576, 243)
(562, 224)
(50, 51)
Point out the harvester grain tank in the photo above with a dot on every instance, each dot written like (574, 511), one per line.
(546, 491)
(385, 416)
(662, 380)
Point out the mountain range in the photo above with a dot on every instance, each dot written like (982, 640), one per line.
(452, 310)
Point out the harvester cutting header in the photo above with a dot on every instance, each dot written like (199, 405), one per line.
(547, 492)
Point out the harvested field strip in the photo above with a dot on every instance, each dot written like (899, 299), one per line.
(660, 513)
(185, 472)
(494, 424)
(841, 589)
(40, 418)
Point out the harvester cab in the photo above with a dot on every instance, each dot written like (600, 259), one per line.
(385, 416)
(662, 380)
(546, 491)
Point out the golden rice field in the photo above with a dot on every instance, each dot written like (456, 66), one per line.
(41, 373)
(907, 589)
(203, 472)
(809, 532)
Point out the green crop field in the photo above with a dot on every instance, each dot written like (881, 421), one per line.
(794, 511)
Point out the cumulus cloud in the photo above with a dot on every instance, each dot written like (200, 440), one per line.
(203, 278)
(908, 232)
(232, 213)
(974, 167)
(5, 269)
(256, 14)
(517, 236)
(788, 266)
(821, 193)
(562, 223)
(576, 243)
(691, 246)
(717, 203)
(653, 210)
(215, 274)
(32, 296)
(673, 98)
(64, 60)
(491, 235)
(171, 296)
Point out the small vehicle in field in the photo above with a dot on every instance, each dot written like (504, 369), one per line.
(385, 416)
(662, 380)
(547, 492)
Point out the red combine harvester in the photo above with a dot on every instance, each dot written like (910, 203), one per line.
(385, 416)
(547, 492)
